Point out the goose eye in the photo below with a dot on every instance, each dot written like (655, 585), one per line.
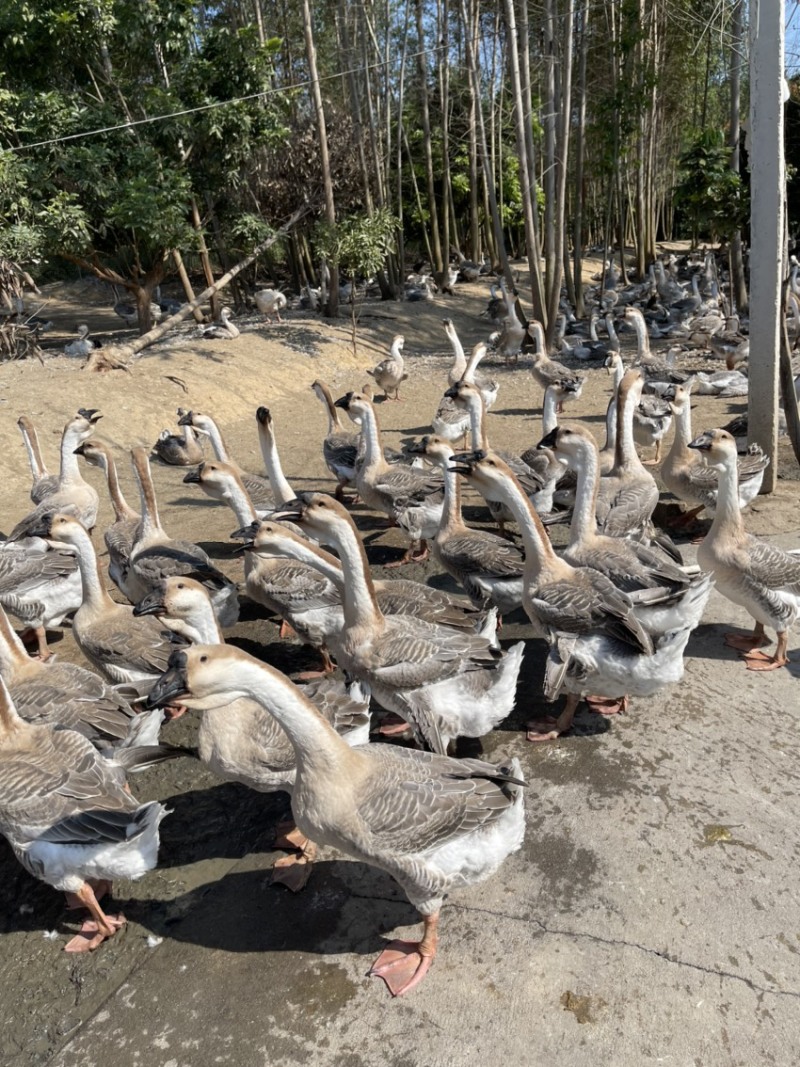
(204, 659)
(181, 585)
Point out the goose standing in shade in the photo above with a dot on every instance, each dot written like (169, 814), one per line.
(684, 473)
(69, 819)
(270, 302)
(445, 684)
(339, 448)
(389, 374)
(126, 649)
(120, 535)
(178, 450)
(240, 741)
(44, 483)
(156, 555)
(546, 371)
(597, 645)
(487, 566)
(256, 484)
(431, 822)
(755, 574)
(83, 347)
(412, 498)
(73, 495)
(628, 494)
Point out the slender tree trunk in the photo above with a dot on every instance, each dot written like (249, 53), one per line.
(186, 283)
(422, 71)
(561, 156)
(580, 139)
(332, 306)
(205, 259)
(738, 284)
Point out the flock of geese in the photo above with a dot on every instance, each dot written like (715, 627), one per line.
(610, 616)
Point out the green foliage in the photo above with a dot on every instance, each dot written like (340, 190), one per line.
(358, 244)
(708, 192)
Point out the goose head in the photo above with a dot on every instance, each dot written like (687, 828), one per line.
(485, 471)
(318, 515)
(717, 447)
(681, 398)
(202, 676)
(434, 448)
(355, 404)
(59, 527)
(95, 452)
(464, 394)
(197, 420)
(214, 477)
(569, 443)
(177, 598)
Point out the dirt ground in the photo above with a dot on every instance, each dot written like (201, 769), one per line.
(218, 835)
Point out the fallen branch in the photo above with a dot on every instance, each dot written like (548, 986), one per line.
(119, 357)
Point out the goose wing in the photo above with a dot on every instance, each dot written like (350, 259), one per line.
(418, 655)
(484, 553)
(137, 643)
(69, 696)
(587, 604)
(627, 507)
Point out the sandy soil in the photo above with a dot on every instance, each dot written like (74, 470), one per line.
(47, 995)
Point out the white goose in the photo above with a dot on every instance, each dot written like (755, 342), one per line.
(445, 684)
(69, 819)
(390, 373)
(40, 587)
(224, 330)
(256, 484)
(44, 482)
(761, 577)
(431, 822)
(270, 302)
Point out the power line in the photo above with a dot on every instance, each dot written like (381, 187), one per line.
(210, 107)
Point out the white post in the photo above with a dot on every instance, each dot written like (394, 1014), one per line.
(767, 193)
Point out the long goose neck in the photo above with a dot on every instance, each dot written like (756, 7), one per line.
(95, 595)
(239, 500)
(728, 514)
(360, 606)
(189, 436)
(584, 523)
(315, 556)
(475, 356)
(540, 557)
(683, 430)
(549, 411)
(12, 650)
(334, 422)
(122, 509)
(642, 340)
(477, 428)
(70, 470)
(611, 425)
(625, 455)
(612, 333)
(458, 370)
(317, 746)
(150, 523)
(10, 721)
(451, 509)
(281, 489)
(371, 436)
(31, 439)
(200, 626)
(217, 440)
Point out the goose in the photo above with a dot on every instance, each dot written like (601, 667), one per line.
(120, 535)
(445, 280)
(431, 822)
(548, 371)
(125, 649)
(539, 480)
(83, 347)
(628, 494)
(44, 483)
(166, 305)
(652, 420)
(412, 498)
(467, 270)
(130, 314)
(73, 495)
(156, 555)
(39, 586)
(224, 330)
(282, 492)
(755, 574)
(71, 697)
(178, 450)
(597, 644)
(673, 599)
(450, 421)
(339, 448)
(389, 373)
(693, 482)
(418, 288)
(239, 741)
(69, 819)
(270, 302)
(659, 371)
(444, 683)
(725, 383)
(257, 485)
(487, 566)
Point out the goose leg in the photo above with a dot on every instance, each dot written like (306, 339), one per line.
(747, 642)
(39, 634)
(95, 930)
(417, 553)
(285, 631)
(403, 964)
(607, 705)
(328, 666)
(760, 661)
(294, 870)
(550, 728)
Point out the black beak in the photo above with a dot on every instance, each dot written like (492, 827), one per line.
(39, 529)
(416, 448)
(701, 443)
(172, 683)
(549, 440)
(246, 533)
(152, 604)
(79, 451)
(452, 393)
(193, 475)
(263, 416)
(293, 511)
(91, 414)
(186, 419)
(343, 401)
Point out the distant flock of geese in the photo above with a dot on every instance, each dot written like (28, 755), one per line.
(610, 617)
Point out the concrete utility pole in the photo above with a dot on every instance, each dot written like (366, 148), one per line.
(767, 193)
